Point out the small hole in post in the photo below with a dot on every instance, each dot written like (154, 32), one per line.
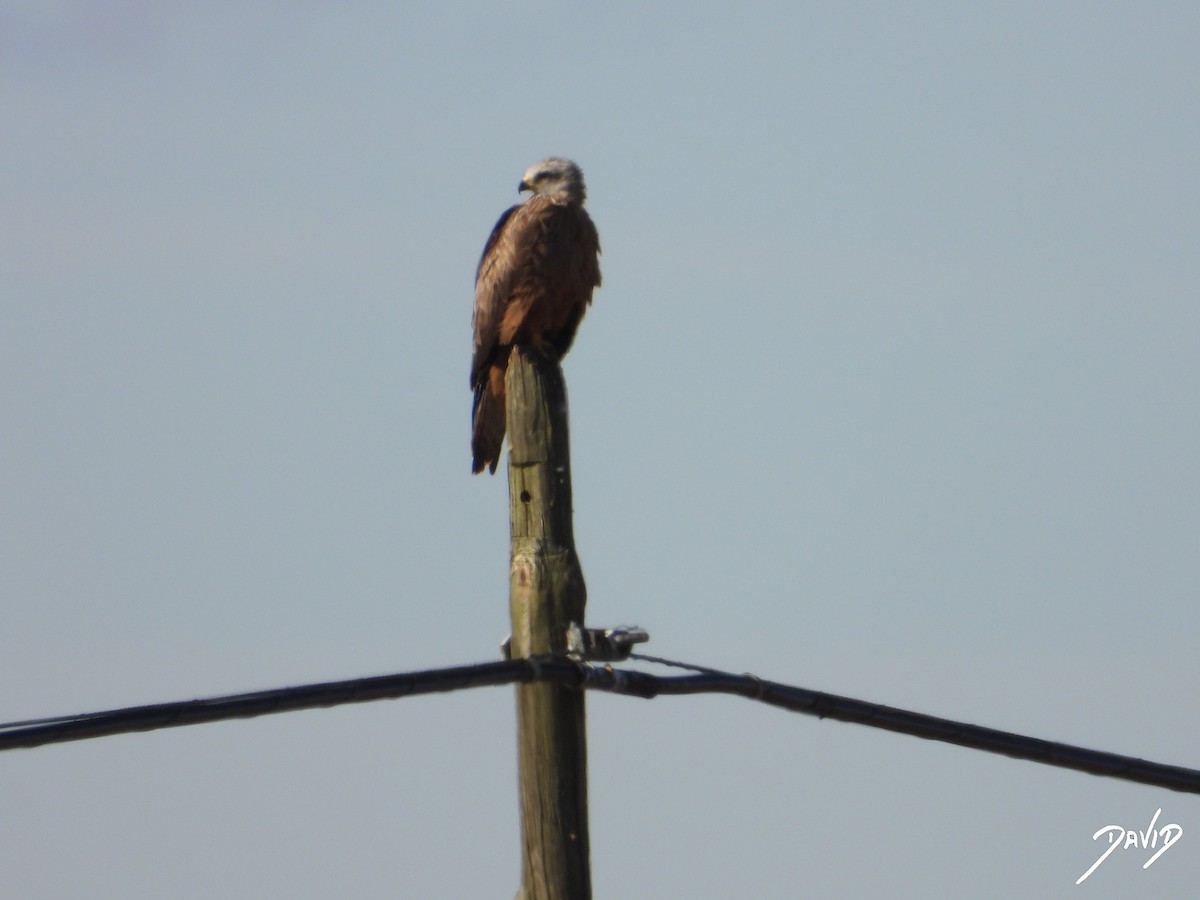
(525, 498)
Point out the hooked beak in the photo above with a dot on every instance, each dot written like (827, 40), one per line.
(524, 186)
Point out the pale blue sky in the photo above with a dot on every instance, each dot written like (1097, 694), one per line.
(891, 390)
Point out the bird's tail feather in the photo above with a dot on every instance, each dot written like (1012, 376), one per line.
(487, 423)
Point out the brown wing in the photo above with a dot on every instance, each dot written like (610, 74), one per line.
(493, 281)
(555, 249)
(574, 246)
(535, 279)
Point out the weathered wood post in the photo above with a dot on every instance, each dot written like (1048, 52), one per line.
(546, 594)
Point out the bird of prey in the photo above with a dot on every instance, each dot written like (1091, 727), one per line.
(533, 285)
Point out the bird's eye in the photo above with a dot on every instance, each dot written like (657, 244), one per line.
(541, 176)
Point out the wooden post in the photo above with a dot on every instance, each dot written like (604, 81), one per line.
(546, 594)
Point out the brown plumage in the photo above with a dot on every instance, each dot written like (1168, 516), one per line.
(533, 285)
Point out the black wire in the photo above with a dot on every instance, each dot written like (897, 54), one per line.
(214, 709)
(37, 732)
(976, 737)
(674, 663)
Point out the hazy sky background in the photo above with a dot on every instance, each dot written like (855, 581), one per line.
(891, 391)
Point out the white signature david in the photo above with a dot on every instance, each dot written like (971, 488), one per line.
(1126, 838)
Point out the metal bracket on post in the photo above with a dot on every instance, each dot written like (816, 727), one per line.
(602, 644)
(594, 644)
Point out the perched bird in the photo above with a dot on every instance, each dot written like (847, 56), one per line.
(533, 285)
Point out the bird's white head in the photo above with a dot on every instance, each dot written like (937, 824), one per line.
(557, 178)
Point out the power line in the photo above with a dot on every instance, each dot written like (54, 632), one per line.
(975, 737)
(38, 732)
